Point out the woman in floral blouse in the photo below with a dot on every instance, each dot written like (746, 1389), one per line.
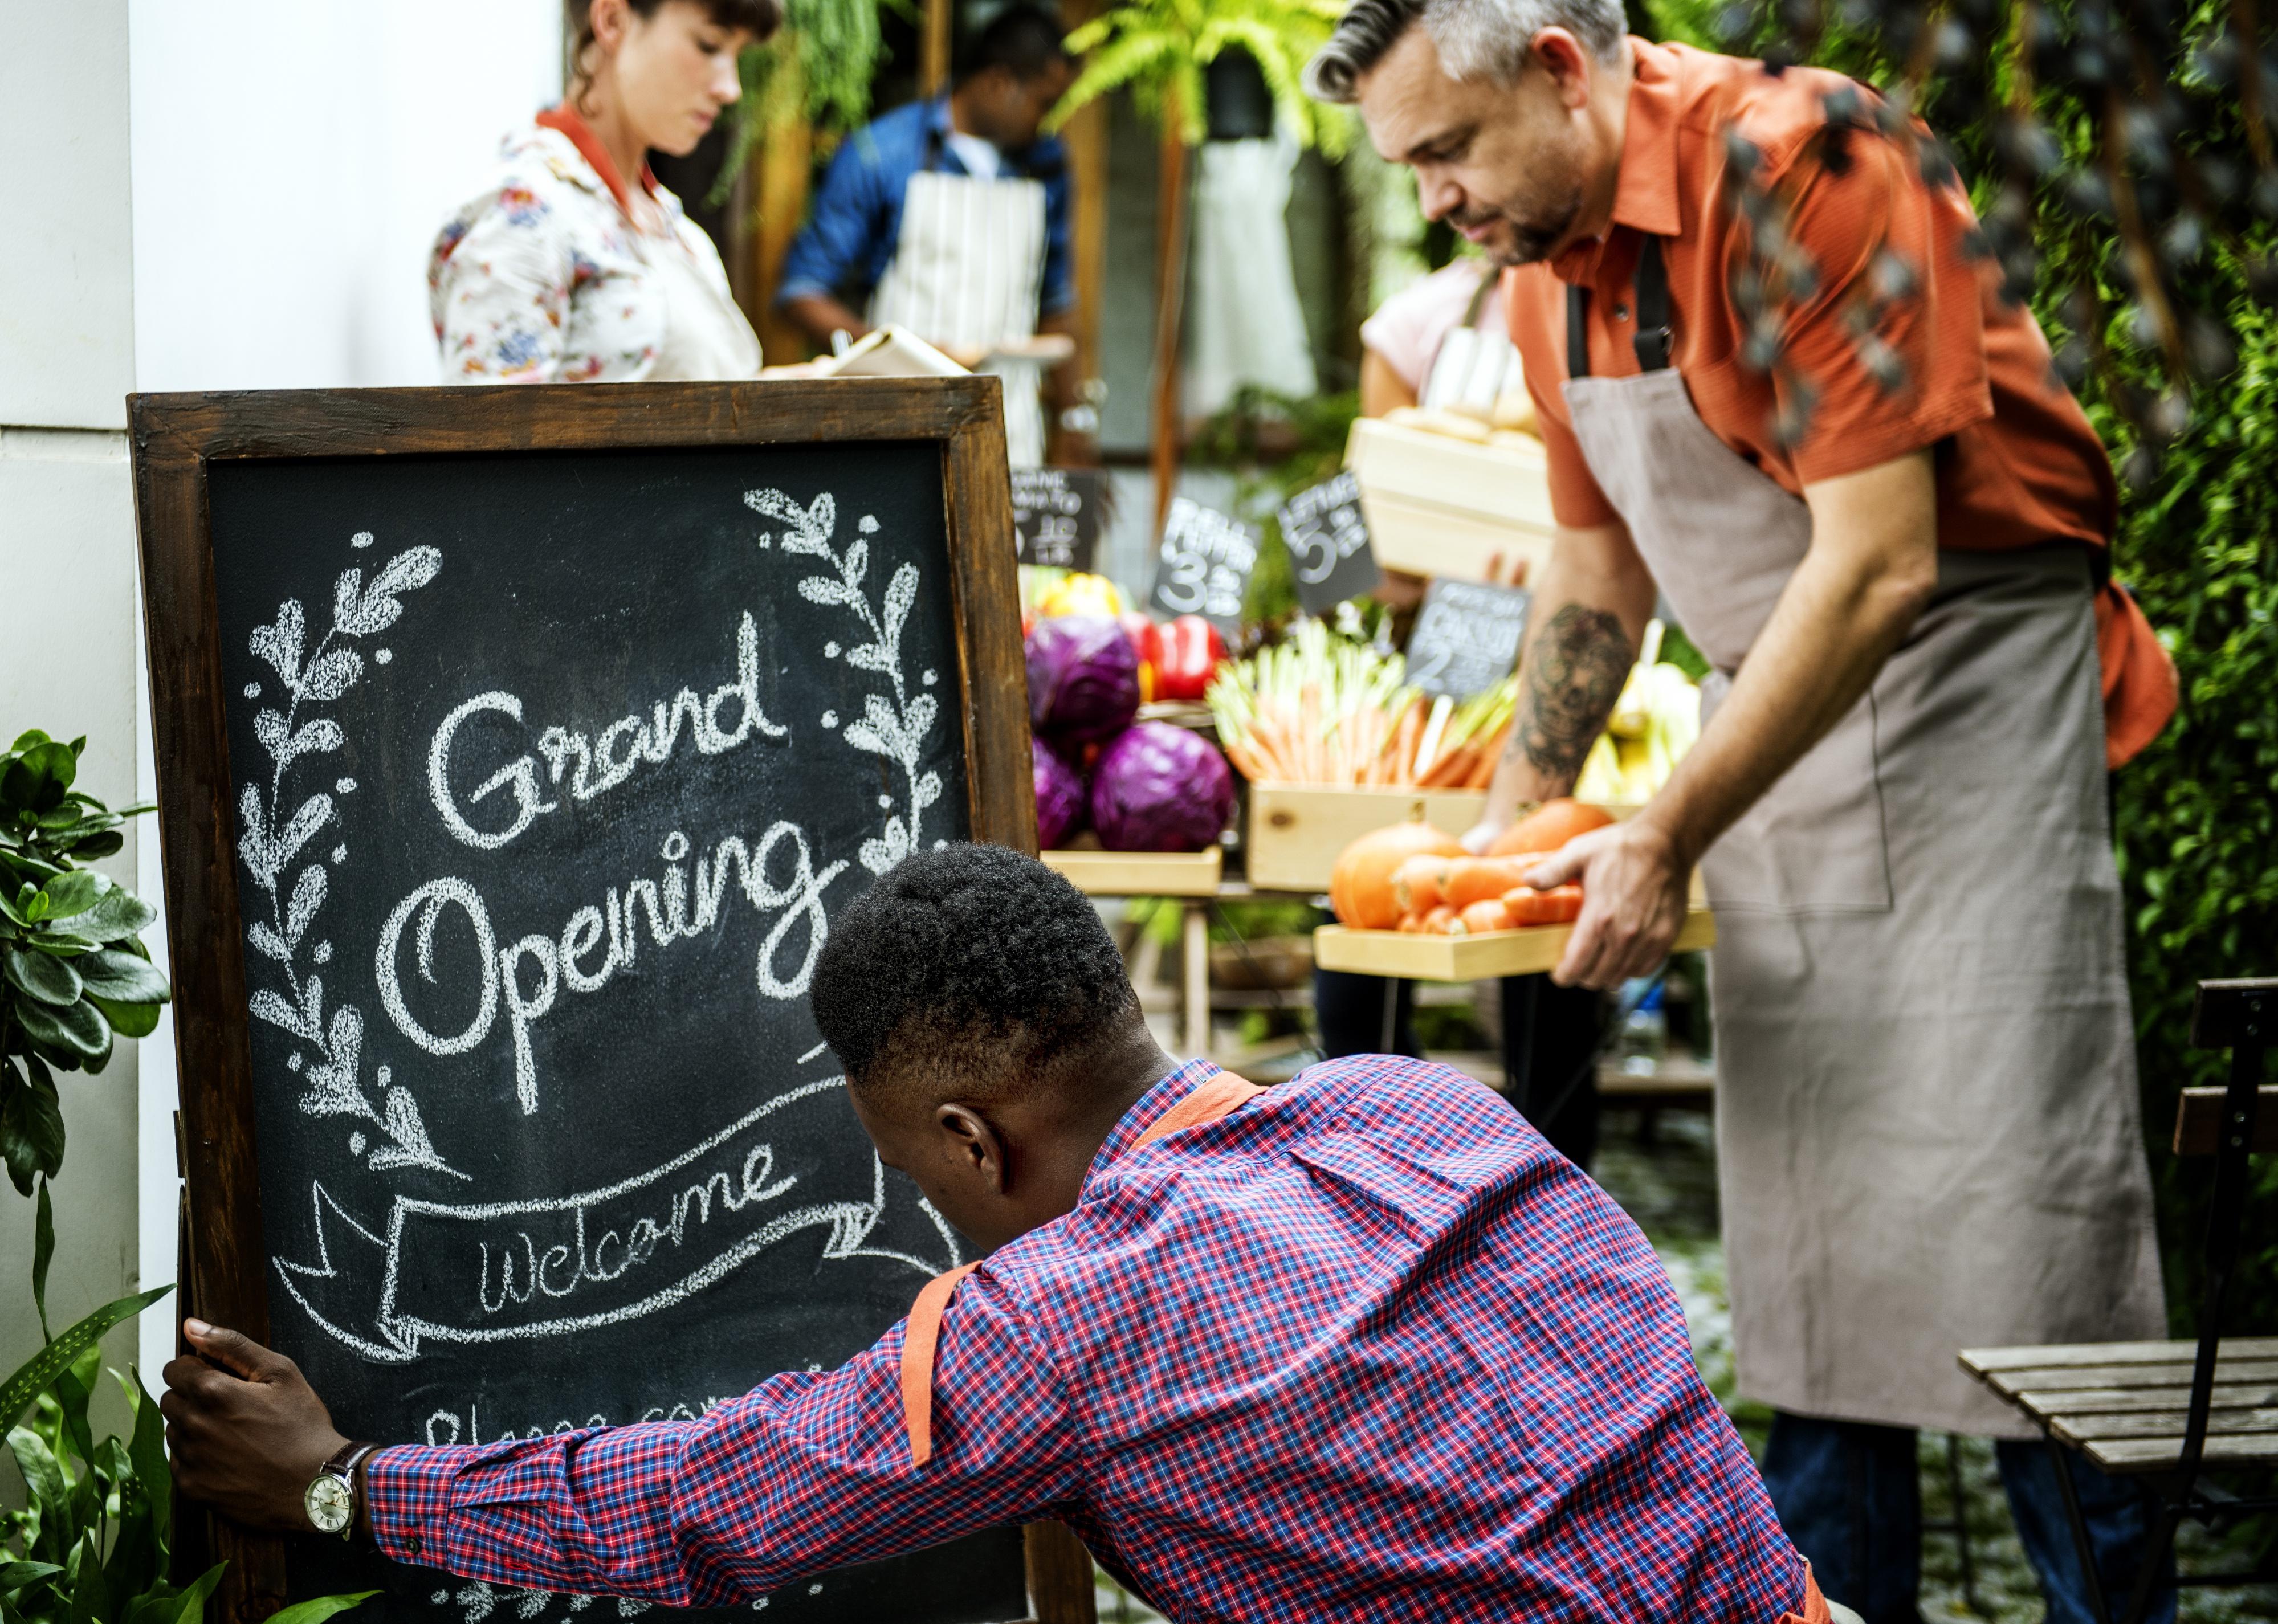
(559, 271)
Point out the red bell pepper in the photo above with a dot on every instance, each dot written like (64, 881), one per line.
(1184, 654)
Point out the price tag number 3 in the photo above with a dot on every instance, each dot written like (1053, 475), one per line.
(1193, 584)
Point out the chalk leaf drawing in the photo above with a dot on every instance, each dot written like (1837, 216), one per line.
(271, 841)
(893, 726)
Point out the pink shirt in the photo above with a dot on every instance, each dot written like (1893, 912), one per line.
(1408, 328)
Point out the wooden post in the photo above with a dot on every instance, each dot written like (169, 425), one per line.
(1085, 135)
(1170, 303)
(786, 161)
(1196, 952)
(933, 47)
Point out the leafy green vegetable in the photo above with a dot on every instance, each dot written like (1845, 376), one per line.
(73, 977)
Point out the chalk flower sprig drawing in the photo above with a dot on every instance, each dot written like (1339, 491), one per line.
(893, 726)
(271, 842)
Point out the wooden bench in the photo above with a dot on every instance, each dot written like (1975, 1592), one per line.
(2164, 1411)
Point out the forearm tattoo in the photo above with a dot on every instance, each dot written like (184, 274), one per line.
(1574, 673)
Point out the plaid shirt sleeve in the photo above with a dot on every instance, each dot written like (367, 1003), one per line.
(807, 1472)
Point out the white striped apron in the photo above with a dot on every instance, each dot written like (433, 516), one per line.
(967, 272)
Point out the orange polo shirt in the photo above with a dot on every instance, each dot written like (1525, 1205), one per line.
(2017, 464)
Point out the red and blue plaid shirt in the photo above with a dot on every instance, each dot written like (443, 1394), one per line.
(1367, 1347)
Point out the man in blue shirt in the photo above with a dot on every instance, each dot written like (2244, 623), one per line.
(950, 218)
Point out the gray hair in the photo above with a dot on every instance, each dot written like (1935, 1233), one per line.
(1475, 38)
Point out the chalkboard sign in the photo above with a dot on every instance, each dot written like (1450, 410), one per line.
(1328, 539)
(1466, 637)
(1056, 513)
(517, 749)
(1205, 564)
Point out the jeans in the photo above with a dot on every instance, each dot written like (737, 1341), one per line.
(1550, 1038)
(1849, 1495)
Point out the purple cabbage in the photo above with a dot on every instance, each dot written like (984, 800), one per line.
(1159, 788)
(1059, 798)
(1084, 679)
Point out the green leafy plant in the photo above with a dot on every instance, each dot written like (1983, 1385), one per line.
(1160, 48)
(75, 975)
(817, 70)
(94, 1543)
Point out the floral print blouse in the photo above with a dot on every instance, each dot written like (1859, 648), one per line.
(542, 278)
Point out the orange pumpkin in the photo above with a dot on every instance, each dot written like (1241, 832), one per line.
(1549, 827)
(1360, 885)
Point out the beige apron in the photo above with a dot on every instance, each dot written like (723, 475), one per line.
(1927, 1117)
(967, 272)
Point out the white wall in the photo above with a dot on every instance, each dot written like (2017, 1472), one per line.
(66, 562)
(293, 161)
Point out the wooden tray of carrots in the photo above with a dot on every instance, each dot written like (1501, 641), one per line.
(1419, 958)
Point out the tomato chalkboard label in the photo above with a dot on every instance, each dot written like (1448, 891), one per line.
(1328, 539)
(1056, 514)
(1204, 565)
(1466, 637)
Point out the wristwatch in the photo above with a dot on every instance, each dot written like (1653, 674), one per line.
(329, 1498)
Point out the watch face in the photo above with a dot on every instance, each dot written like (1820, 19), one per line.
(329, 1504)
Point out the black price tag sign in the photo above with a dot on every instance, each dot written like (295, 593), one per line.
(1466, 637)
(1205, 564)
(1328, 545)
(1056, 513)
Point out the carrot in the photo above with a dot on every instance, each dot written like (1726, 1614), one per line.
(1559, 905)
(1399, 769)
(1490, 752)
(1472, 880)
(1439, 921)
(1485, 915)
(1451, 769)
(1419, 884)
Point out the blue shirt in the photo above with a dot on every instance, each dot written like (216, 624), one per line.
(851, 237)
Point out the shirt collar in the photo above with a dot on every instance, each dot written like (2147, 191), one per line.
(1173, 1087)
(566, 119)
(1644, 186)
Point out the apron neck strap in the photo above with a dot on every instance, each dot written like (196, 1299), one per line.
(1652, 339)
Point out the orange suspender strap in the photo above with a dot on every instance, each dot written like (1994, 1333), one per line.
(919, 1341)
(1815, 1605)
(1207, 1103)
(1222, 1095)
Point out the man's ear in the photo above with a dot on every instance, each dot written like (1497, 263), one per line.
(1568, 62)
(979, 1149)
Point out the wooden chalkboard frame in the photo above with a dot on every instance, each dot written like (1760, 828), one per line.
(176, 439)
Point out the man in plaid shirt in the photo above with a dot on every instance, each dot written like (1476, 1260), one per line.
(1361, 1345)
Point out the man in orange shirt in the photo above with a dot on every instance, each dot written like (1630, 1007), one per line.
(1883, 523)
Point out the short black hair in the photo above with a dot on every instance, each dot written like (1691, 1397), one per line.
(972, 969)
(1023, 39)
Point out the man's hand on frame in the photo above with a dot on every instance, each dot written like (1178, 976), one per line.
(247, 1431)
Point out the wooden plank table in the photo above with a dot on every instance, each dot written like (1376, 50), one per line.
(2123, 1403)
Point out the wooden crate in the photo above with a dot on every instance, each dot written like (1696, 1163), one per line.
(1470, 958)
(1297, 830)
(1439, 506)
(1139, 873)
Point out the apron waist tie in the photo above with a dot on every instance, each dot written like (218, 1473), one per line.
(1217, 1095)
